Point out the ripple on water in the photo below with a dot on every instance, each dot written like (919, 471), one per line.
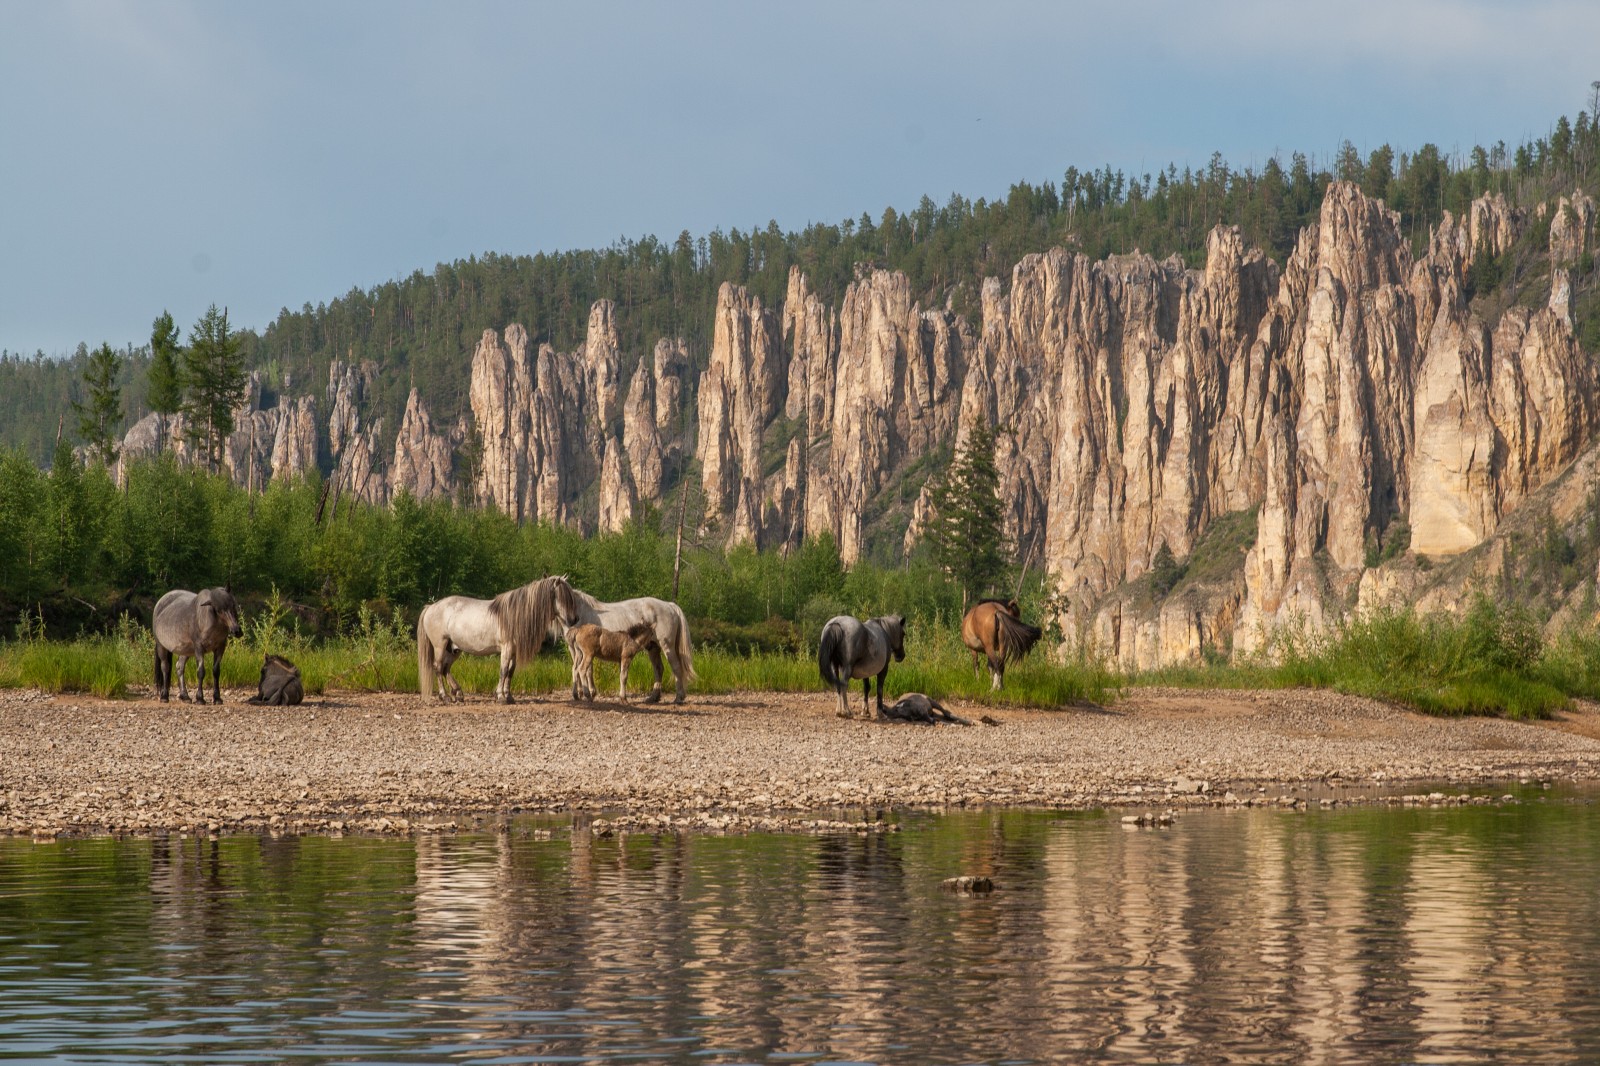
(1265, 935)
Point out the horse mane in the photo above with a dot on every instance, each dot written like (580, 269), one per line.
(1008, 606)
(526, 613)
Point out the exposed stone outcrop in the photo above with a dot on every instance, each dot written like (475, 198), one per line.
(423, 458)
(739, 395)
(356, 446)
(1571, 229)
(272, 443)
(1322, 406)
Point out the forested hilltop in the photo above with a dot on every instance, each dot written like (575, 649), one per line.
(422, 330)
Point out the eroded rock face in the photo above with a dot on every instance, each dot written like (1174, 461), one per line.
(1350, 393)
(358, 447)
(739, 394)
(423, 458)
(276, 442)
(1572, 228)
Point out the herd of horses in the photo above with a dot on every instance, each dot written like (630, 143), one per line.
(514, 625)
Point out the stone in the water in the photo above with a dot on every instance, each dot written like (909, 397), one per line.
(968, 883)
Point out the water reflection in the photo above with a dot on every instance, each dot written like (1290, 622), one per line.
(1346, 936)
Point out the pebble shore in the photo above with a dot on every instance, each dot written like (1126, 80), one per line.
(392, 763)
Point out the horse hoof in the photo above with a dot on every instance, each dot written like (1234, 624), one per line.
(678, 698)
(654, 697)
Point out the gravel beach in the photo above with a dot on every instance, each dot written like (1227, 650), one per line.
(390, 763)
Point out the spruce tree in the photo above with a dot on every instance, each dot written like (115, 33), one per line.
(164, 389)
(215, 374)
(101, 411)
(966, 531)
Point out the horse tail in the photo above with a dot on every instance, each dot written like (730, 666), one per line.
(1014, 638)
(425, 677)
(681, 645)
(828, 653)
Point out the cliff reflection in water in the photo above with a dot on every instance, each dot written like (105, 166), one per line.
(1345, 936)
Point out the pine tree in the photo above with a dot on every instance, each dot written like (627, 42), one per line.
(100, 413)
(966, 533)
(215, 374)
(164, 391)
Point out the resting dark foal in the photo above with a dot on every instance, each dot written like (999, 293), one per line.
(280, 683)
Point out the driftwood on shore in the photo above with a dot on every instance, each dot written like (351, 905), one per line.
(915, 707)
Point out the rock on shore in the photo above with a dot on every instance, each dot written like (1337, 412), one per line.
(386, 762)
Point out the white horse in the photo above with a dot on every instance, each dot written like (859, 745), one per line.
(850, 648)
(514, 624)
(672, 629)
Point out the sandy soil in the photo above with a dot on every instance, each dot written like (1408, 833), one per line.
(392, 763)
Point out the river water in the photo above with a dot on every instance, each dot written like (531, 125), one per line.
(1348, 935)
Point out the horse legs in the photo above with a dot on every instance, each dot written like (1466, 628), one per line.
(842, 690)
(200, 676)
(866, 696)
(997, 672)
(183, 677)
(508, 663)
(881, 676)
(622, 676)
(654, 651)
(216, 674)
(677, 672)
(443, 659)
(163, 674)
(976, 670)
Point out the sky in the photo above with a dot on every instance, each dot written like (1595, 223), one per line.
(170, 155)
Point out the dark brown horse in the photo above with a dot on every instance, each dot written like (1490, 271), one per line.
(995, 629)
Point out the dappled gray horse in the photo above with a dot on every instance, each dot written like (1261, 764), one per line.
(188, 625)
(850, 649)
(577, 607)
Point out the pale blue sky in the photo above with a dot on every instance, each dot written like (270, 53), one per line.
(170, 155)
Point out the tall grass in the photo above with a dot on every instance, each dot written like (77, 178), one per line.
(1489, 660)
(380, 655)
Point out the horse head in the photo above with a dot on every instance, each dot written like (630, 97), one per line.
(643, 633)
(566, 602)
(895, 626)
(218, 605)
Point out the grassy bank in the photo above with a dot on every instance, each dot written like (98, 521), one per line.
(1485, 661)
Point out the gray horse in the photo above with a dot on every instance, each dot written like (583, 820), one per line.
(851, 649)
(188, 624)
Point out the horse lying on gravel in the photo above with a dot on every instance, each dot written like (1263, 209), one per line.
(590, 642)
(916, 707)
(280, 683)
(188, 625)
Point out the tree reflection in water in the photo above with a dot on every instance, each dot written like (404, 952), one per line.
(1339, 936)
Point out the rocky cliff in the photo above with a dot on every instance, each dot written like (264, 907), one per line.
(1277, 429)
